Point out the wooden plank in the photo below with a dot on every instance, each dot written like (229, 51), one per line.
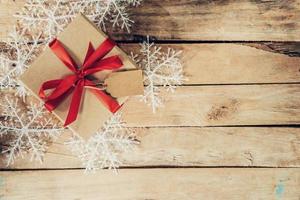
(7, 9)
(208, 184)
(219, 106)
(232, 64)
(244, 20)
(223, 105)
(187, 146)
(287, 48)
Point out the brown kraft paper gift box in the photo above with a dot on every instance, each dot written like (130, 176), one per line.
(92, 113)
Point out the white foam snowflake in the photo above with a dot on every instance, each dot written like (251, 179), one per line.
(46, 16)
(18, 52)
(26, 131)
(53, 16)
(161, 70)
(103, 11)
(103, 148)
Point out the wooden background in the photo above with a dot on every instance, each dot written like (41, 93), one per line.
(230, 132)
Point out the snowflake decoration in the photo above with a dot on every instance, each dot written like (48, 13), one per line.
(19, 52)
(114, 11)
(53, 16)
(161, 70)
(27, 131)
(103, 148)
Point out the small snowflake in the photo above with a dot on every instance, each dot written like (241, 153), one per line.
(29, 131)
(103, 148)
(161, 70)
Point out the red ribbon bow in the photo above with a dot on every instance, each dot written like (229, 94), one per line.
(93, 62)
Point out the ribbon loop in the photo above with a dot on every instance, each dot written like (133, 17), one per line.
(99, 53)
(59, 50)
(94, 62)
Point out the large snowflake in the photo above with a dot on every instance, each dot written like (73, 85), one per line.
(26, 130)
(103, 11)
(103, 148)
(161, 70)
(45, 16)
(19, 50)
(53, 16)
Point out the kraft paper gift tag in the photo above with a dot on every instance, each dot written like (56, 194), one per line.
(125, 83)
(92, 113)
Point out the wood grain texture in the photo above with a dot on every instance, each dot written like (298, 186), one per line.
(230, 99)
(208, 184)
(227, 105)
(219, 106)
(260, 147)
(7, 9)
(231, 64)
(245, 20)
(288, 48)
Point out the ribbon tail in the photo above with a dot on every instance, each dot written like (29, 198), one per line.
(58, 49)
(108, 101)
(48, 85)
(75, 103)
(53, 103)
(63, 87)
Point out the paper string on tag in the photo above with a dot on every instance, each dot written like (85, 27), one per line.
(125, 83)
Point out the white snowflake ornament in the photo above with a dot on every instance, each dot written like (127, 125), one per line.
(45, 16)
(20, 50)
(29, 131)
(53, 16)
(162, 70)
(103, 148)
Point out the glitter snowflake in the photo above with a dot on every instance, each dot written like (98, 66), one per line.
(103, 148)
(26, 131)
(53, 16)
(162, 70)
(19, 50)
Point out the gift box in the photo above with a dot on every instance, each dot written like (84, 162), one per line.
(73, 66)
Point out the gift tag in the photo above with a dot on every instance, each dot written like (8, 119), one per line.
(125, 83)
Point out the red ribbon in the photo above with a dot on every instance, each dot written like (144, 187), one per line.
(93, 62)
